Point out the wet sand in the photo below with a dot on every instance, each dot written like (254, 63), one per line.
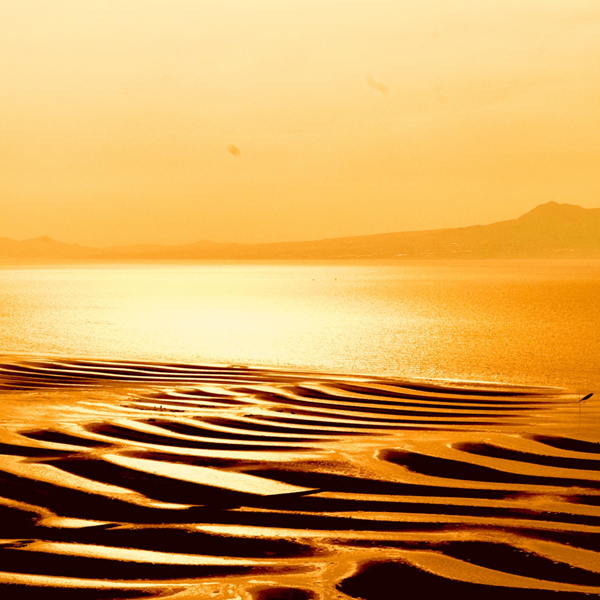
(131, 480)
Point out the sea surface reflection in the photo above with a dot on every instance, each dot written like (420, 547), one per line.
(531, 322)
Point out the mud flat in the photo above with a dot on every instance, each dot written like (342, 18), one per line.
(140, 480)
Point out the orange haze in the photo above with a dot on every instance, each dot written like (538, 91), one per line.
(173, 121)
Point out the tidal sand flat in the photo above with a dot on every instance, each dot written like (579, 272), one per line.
(132, 479)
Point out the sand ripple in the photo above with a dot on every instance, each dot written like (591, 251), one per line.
(127, 480)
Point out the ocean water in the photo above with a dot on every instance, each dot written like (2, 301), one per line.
(530, 322)
(276, 482)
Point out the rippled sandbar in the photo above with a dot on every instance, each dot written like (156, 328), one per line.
(129, 479)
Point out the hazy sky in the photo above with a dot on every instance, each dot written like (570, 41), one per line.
(173, 121)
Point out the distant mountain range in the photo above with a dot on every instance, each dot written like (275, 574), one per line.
(550, 230)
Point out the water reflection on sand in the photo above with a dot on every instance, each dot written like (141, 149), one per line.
(132, 479)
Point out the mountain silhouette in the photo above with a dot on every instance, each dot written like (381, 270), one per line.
(550, 230)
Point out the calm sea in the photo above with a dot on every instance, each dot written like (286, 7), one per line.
(532, 322)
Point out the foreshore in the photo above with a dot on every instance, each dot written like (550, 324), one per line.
(132, 479)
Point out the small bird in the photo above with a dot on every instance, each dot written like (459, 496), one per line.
(233, 150)
(384, 89)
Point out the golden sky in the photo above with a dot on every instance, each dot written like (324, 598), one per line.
(173, 121)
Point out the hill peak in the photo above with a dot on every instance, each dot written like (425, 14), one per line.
(551, 210)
